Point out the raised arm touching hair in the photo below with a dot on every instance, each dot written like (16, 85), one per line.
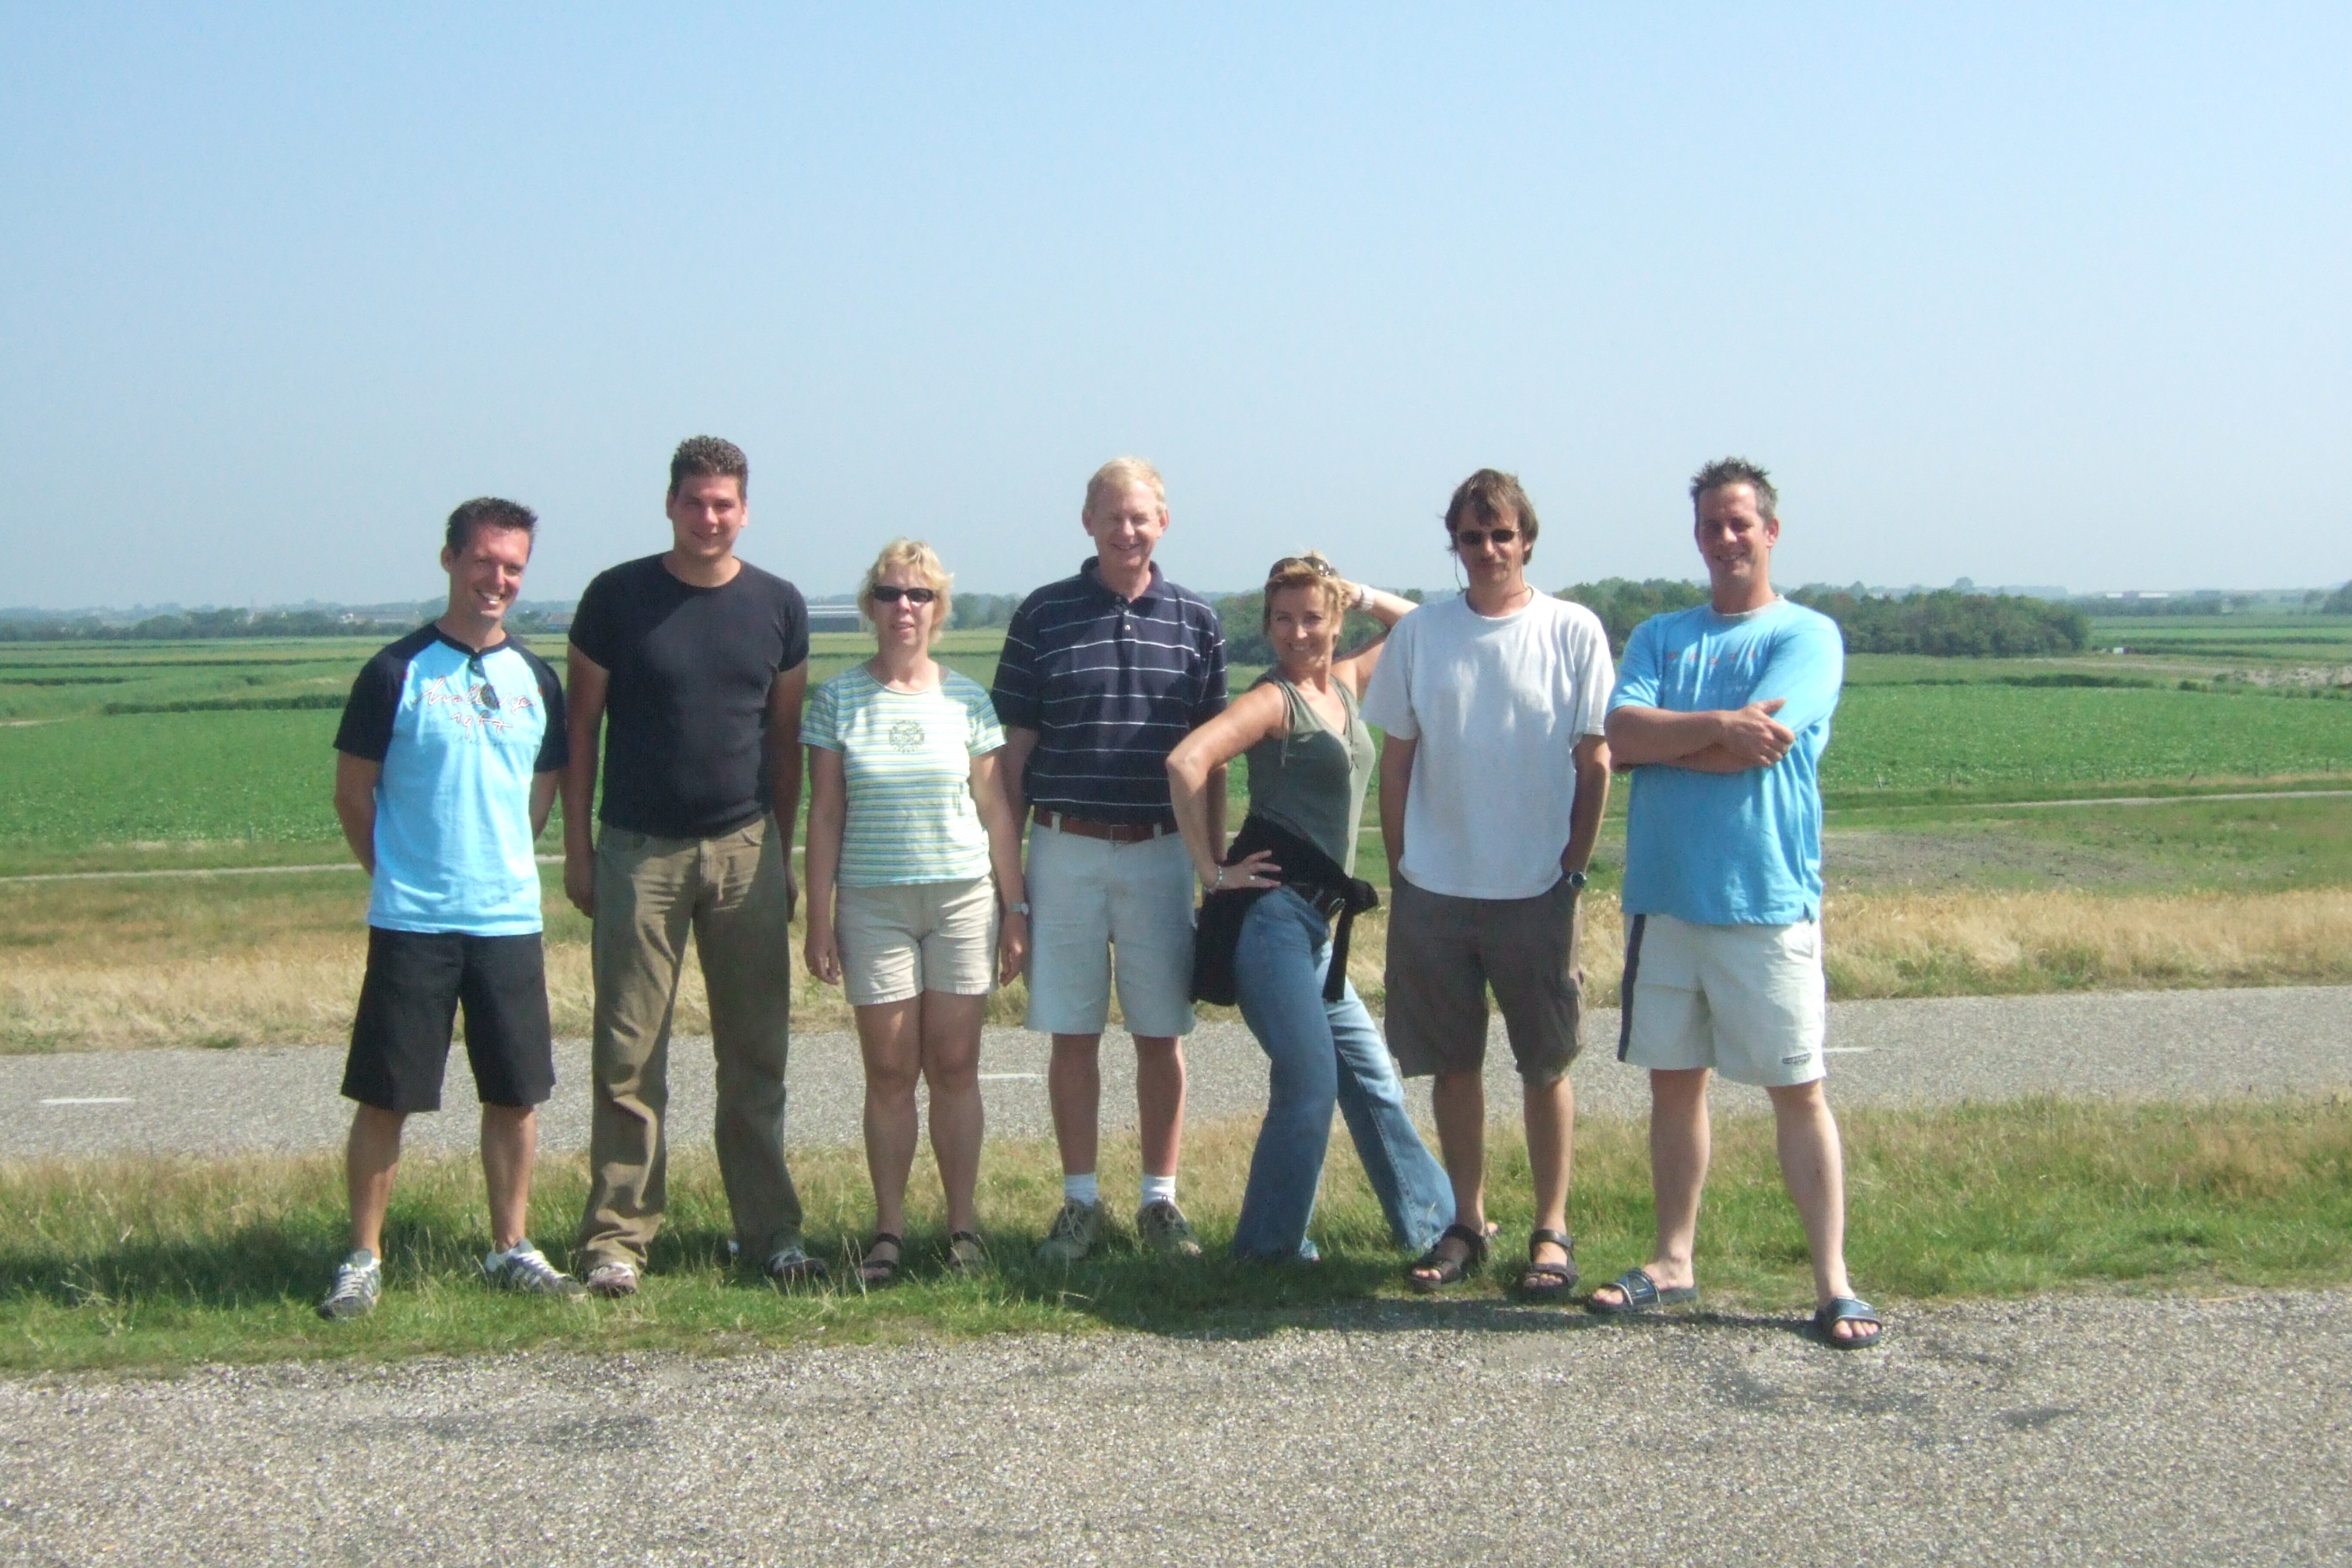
(1388, 609)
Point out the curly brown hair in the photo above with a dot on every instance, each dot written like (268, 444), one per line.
(710, 458)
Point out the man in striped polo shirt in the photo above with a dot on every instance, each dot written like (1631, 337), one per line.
(1101, 675)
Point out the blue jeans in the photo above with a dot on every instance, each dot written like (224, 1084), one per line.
(1322, 1054)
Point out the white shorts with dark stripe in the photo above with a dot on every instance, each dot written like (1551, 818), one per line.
(1749, 1001)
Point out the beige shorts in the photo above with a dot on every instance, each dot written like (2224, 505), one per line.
(1749, 1001)
(1090, 898)
(900, 941)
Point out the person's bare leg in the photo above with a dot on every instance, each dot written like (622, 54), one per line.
(1812, 1164)
(1680, 1139)
(1551, 1140)
(509, 1140)
(370, 1160)
(950, 1042)
(1074, 1086)
(1458, 1101)
(1159, 1102)
(889, 1037)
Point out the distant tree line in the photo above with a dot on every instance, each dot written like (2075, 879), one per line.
(2339, 602)
(203, 624)
(985, 609)
(1943, 622)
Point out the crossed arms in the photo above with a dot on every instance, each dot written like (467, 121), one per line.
(1724, 741)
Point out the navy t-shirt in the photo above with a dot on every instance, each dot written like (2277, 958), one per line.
(687, 714)
(459, 735)
(1110, 685)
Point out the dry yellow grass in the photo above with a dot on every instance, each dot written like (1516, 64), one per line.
(101, 967)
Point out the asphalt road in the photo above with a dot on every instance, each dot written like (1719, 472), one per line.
(2163, 1045)
(2087, 1430)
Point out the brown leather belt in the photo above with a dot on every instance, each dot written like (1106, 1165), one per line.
(1116, 832)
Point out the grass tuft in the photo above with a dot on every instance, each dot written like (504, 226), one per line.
(158, 1263)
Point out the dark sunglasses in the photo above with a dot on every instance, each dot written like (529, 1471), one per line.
(890, 593)
(1472, 538)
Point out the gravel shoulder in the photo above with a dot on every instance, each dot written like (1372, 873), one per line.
(2101, 1429)
(2157, 1045)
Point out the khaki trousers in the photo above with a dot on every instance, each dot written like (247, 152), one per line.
(732, 890)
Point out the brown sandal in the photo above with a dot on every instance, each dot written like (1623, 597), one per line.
(1547, 1281)
(1444, 1272)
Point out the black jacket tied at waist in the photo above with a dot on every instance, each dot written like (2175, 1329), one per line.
(1306, 871)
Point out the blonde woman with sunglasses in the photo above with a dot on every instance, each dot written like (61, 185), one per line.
(908, 816)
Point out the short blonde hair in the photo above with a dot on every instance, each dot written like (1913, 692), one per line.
(911, 552)
(1121, 472)
(1308, 570)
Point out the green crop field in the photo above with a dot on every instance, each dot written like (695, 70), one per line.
(226, 743)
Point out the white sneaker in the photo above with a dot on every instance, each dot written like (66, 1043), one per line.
(524, 1267)
(359, 1280)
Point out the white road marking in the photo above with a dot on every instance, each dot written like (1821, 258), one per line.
(94, 1099)
(1847, 1050)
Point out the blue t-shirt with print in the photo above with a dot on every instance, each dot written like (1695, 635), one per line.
(459, 735)
(1741, 848)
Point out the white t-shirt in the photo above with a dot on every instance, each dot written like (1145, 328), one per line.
(1497, 705)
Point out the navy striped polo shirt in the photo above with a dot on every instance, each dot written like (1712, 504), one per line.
(1110, 685)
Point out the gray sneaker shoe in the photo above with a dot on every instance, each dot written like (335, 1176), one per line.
(612, 1281)
(524, 1267)
(359, 1280)
(1076, 1230)
(1162, 1227)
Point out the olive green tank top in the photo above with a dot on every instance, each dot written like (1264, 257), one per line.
(1312, 780)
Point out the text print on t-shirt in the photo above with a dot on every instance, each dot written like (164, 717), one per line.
(475, 705)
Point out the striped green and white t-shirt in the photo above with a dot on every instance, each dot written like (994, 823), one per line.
(907, 756)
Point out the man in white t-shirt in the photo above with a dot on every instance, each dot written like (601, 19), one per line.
(1494, 775)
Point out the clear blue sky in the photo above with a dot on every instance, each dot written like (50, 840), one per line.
(2023, 296)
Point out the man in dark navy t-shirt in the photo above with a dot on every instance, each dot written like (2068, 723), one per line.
(697, 662)
(446, 764)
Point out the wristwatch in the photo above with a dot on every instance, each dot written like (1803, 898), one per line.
(1020, 909)
(1576, 880)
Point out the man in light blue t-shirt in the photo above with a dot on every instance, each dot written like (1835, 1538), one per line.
(1721, 713)
(446, 764)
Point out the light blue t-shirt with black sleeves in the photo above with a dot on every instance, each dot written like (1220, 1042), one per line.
(906, 761)
(1741, 848)
(460, 736)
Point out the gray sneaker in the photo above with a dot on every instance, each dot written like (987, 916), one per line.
(1076, 1230)
(792, 1265)
(359, 1280)
(524, 1267)
(1162, 1227)
(612, 1280)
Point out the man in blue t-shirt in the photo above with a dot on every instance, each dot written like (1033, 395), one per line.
(448, 756)
(1721, 714)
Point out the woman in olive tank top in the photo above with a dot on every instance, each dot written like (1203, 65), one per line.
(1310, 757)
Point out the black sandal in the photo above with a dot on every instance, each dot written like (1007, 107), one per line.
(1448, 1272)
(1547, 1281)
(967, 1253)
(874, 1272)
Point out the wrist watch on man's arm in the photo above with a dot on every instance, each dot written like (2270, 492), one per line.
(1576, 880)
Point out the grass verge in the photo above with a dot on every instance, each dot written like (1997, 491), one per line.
(154, 1264)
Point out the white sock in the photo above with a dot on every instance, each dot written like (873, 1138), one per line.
(1081, 1189)
(1158, 1190)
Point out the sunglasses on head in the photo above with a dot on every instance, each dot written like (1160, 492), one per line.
(1289, 563)
(890, 593)
(1472, 538)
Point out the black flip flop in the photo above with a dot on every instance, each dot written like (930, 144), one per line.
(1642, 1295)
(1848, 1309)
